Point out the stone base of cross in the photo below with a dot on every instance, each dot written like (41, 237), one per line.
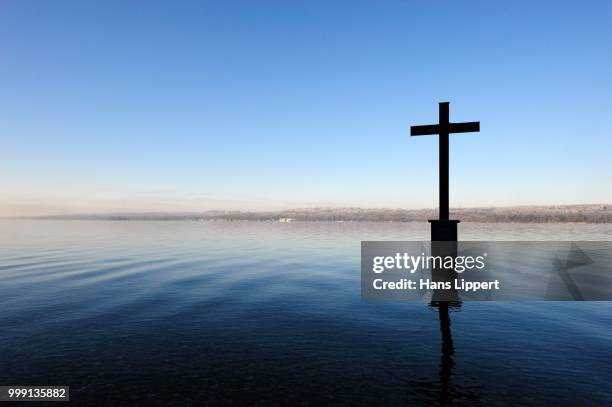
(443, 230)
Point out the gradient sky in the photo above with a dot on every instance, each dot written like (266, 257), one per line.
(152, 106)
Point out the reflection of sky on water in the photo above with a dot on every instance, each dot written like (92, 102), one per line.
(273, 312)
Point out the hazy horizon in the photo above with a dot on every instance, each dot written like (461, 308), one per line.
(42, 206)
(291, 208)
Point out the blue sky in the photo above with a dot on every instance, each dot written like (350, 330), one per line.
(124, 106)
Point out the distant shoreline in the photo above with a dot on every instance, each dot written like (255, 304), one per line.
(589, 213)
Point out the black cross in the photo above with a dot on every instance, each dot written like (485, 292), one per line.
(444, 128)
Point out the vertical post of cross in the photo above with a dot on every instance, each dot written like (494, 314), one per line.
(443, 159)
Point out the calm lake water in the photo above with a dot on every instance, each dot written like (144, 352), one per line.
(247, 313)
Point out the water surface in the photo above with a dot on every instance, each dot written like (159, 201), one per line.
(257, 313)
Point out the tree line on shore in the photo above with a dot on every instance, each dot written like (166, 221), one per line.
(524, 214)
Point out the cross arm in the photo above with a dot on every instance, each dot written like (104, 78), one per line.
(466, 127)
(424, 130)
